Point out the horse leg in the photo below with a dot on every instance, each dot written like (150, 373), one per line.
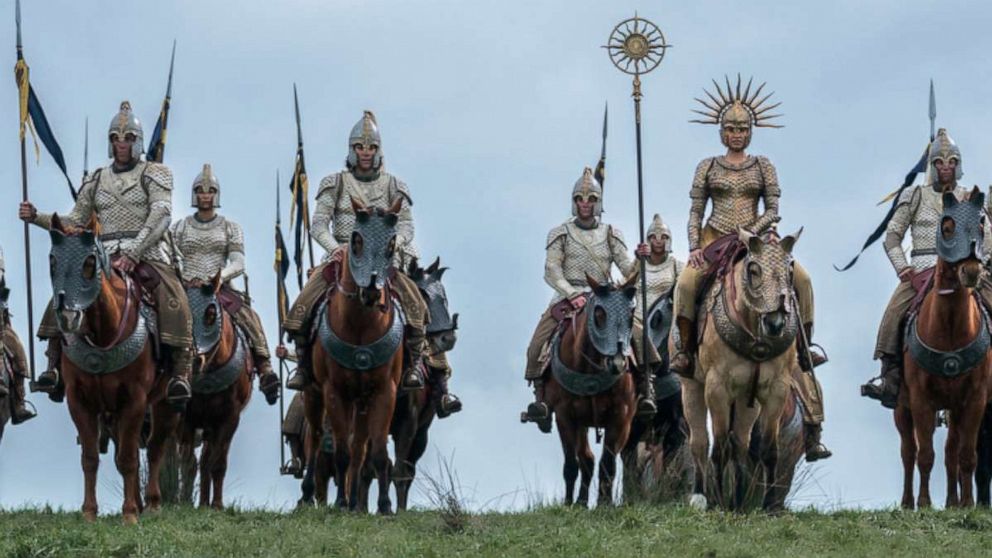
(87, 426)
(924, 423)
(128, 434)
(983, 471)
(904, 423)
(359, 449)
(187, 460)
(631, 488)
(968, 425)
(616, 436)
(567, 434)
(220, 452)
(694, 405)
(718, 402)
(341, 414)
(314, 485)
(379, 418)
(952, 449)
(587, 464)
(745, 474)
(404, 438)
(164, 421)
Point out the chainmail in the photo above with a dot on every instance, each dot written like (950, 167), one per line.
(209, 247)
(918, 210)
(572, 252)
(734, 191)
(660, 280)
(333, 210)
(134, 208)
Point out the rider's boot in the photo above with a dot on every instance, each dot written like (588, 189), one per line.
(301, 378)
(179, 392)
(886, 390)
(268, 382)
(18, 407)
(646, 406)
(815, 449)
(417, 349)
(816, 354)
(538, 411)
(449, 403)
(682, 361)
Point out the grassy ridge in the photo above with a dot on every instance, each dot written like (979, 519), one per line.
(625, 531)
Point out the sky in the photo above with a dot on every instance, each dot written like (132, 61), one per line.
(489, 110)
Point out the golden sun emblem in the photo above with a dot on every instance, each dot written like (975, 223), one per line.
(636, 46)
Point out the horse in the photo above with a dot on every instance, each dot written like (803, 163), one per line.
(221, 391)
(358, 359)
(946, 360)
(742, 376)
(108, 363)
(591, 386)
(7, 378)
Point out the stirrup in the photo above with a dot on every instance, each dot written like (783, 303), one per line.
(877, 391)
(298, 381)
(449, 405)
(412, 380)
(178, 393)
(47, 381)
(646, 407)
(25, 413)
(538, 413)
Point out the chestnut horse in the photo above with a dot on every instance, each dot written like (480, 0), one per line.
(358, 359)
(743, 373)
(221, 391)
(108, 363)
(946, 360)
(590, 386)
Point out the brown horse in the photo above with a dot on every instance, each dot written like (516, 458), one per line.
(108, 363)
(221, 391)
(591, 386)
(742, 375)
(946, 360)
(358, 359)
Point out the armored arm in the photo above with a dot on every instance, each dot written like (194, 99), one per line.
(158, 182)
(618, 248)
(404, 226)
(698, 195)
(235, 252)
(80, 214)
(323, 213)
(897, 227)
(770, 195)
(554, 275)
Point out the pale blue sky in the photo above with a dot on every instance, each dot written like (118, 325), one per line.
(489, 110)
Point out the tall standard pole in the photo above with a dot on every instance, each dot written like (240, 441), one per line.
(23, 83)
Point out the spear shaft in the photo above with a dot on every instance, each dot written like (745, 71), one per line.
(302, 166)
(24, 197)
(282, 361)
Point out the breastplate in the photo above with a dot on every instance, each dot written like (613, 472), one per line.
(660, 279)
(923, 229)
(735, 191)
(586, 251)
(371, 194)
(121, 205)
(204, 247)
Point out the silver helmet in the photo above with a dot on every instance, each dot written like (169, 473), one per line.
(206, 179)
(124, 123)
(587, 187)
(365, 132)
(944, 149)
(659, 229)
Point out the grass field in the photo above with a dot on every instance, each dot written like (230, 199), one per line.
(618, 532)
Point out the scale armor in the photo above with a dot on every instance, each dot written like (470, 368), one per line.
(334, 218)
(209, 247)
(918, 210)
(134, 208)
(735, 191)
(125, 122)
(366, 133)
(660, 279)
(206, 179)
(573, 252)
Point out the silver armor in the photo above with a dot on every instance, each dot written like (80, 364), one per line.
(209, 247)
(587, 187)
(206, 181)
(134, 208)
(334, 218)
(735, 191)
(573, 251)
(918, 210)
(659, 229)
(944, 149)
(365, 132)
(124, 123)
(660, 280)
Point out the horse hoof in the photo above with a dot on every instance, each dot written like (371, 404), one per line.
(130, 519)
(697, 502)
(89, 516)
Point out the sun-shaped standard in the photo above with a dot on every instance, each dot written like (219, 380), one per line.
(636, 46)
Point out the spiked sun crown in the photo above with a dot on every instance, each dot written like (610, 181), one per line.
(731, 105)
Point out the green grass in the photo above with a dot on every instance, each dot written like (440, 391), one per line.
(619, 532)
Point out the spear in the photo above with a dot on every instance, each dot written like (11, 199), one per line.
(156, 146)
(600, 173)
(21, 72)
(280, 298)
(86, 149)
(933, 111)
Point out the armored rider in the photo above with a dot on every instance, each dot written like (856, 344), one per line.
(735, 183)
(14, 352)
(661, 270)
(132, 199)
(582, 245)
(918, 210)
(209, 243)
(364, 180)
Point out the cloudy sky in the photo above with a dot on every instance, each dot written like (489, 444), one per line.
(489, 110)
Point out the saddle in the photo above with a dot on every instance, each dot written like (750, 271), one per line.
(721, 255)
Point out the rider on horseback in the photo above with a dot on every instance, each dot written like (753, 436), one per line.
(208, 244)
(662, 271)
(365, 181)
(918, 210)
(15, 356)
(581, 246)
(735, 183)
(132, 199)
